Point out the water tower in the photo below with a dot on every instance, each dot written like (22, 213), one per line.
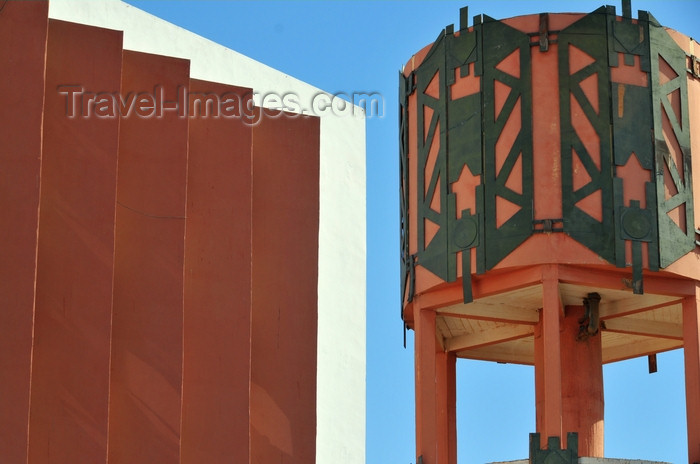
(548, 215)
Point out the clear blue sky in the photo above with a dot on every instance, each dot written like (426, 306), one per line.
(360, 46)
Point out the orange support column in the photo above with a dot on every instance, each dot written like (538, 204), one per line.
(425, 347)
(217, 298)
(582, 384)
(146, 382)
(23, 27)
(548, 376)
(70, 367)
(445, 377)
(435, 392)
(451, 377)
(285, 289)
(691, 350)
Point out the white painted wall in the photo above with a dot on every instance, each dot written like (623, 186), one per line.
(342, 248)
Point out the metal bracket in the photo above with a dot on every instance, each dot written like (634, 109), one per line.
(545, 226)
(543, 35)
(590, 322)
(697, 242)
(410, 84)
(694, 69)
(465, 237)
(652, 363)
(412, 278)
(637, 225)
(544, 32)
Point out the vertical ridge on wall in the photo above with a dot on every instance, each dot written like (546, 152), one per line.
(23, 31)
(70, 366)
(146, 383)
(217, 317)
(285, 297)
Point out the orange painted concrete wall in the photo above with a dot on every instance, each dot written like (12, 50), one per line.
(217, 296)
(285, 276)
(147, 323)
(72, 321)
(23, 31)
(160, 272)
